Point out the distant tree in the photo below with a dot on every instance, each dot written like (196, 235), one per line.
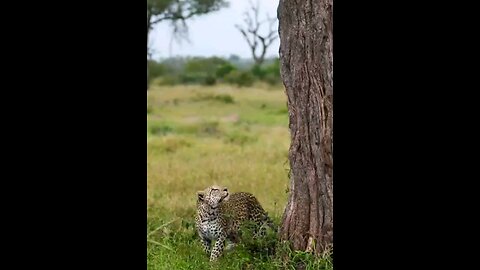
(207, 65)
(306, 61)
(177, 12)
(252, 34)
(233, 58)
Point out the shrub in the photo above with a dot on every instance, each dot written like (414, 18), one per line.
(240, 78)
(204, 65)
(223, 70)
(210, 80)
(272, 73)
(258, 72)
(191, 78)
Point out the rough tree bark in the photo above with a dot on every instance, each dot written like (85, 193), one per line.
(305, 30)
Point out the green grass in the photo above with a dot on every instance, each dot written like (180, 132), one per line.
(198, 136)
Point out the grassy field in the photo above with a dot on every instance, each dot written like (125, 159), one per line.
(198, 136)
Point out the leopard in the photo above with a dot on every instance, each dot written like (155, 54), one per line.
(220, 216)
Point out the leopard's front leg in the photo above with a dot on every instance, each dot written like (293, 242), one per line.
(206, 243)
(218, 248)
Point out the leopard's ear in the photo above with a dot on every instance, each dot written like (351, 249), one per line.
(200, 195)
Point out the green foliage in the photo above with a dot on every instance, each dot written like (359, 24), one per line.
(211, 70)
(174, 10)
(240, 78)
(271, 79)
(224, 69)
(159, 129)
(258, 72)
(191, 78)
(157, 7)
(272, 73)
(204, 65)
(210, 80)
(200, 70)
(269, 73)
(156, 69)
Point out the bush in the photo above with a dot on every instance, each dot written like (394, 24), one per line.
(258, 72)
(191, 78)
(272, 79)
(272, 73)
(240, 78)
(245, 79)
(210, 80)
(224, 69)
(208, 71)
(156, 69)
(204, 65)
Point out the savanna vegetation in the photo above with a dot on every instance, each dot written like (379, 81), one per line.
(212, 70)
(200, 135)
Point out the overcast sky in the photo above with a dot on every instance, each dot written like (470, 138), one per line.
(214, 33)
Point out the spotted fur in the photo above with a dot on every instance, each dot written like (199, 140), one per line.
(220, 215)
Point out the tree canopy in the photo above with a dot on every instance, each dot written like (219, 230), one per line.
(179, 10)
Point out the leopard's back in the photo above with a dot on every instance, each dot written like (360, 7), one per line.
(239, 208)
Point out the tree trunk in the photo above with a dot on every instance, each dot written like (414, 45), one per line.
(305, 30)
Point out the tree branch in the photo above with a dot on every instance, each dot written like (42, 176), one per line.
(251, 32)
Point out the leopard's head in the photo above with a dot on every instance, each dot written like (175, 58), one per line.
(213, 196)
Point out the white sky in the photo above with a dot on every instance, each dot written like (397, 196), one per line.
(214, 34)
